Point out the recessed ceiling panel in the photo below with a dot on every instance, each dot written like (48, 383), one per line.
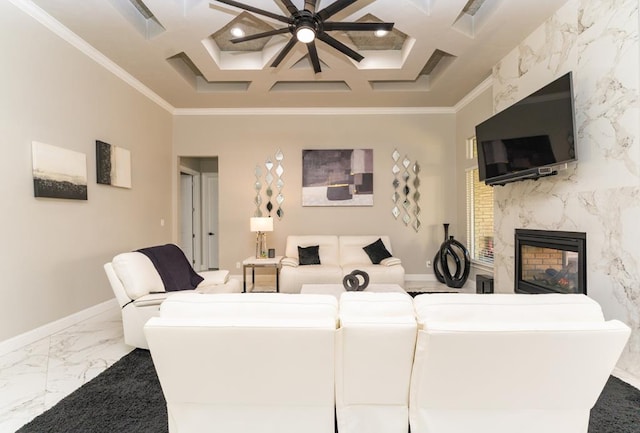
(437, 52)
(244, 24)
(371, 41)
(438, 58)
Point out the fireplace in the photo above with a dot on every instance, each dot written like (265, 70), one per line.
(550, 262)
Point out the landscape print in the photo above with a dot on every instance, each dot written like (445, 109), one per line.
(340, 177)
(113, 165)
(58, 172)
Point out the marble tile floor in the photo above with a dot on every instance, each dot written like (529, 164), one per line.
(36, 377)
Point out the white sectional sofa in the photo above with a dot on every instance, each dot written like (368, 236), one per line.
(339, 256)
(139, 291)
(440, 363)
(374, 356)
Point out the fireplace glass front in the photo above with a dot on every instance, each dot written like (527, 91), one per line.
(550, 262)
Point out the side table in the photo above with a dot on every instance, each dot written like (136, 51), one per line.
(253, 263)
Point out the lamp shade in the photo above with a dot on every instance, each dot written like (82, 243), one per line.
(261, 224)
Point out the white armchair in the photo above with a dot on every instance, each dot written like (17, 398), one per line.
(510, 363)
(139, 291)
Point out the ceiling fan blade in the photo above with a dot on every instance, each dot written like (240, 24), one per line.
(290, 6)
(260, 35)
(284, 52)
(313, 56)
(334, 8)
(310, 5)
(356, 27)
(255, 10)
(329, 40)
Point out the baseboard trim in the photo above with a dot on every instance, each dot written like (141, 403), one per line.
(44, 331)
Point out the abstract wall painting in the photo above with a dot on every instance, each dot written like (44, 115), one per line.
(342, 177)
(113, 165)
(58, 172)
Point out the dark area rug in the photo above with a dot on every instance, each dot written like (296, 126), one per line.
(127, 398)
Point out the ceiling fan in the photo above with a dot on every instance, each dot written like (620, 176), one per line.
(305, 25)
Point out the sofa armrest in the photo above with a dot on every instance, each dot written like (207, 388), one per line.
(391, 261)
(290, 261)
(212, 278)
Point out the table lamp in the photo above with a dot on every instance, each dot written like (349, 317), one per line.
(261, 225)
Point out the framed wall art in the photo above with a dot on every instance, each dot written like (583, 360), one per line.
(58, 172)
(113, 165)
(337, 177)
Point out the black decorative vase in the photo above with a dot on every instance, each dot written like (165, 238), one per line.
(452, 250)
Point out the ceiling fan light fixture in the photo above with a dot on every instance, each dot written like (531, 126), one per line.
(305, 34)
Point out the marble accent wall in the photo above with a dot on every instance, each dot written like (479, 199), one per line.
(600, 194)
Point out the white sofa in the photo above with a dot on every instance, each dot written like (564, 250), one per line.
(139, 291)
(480, 363)
(510, 363)
(339, 256)
(250, 362)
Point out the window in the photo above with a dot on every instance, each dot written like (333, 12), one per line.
(479, 211)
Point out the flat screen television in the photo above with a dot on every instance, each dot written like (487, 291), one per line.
(529, 139)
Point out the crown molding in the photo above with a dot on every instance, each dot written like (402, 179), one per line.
(310, 111)
(472, 95)
(34, 11)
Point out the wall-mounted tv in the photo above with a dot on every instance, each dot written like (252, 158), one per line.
(529, 139)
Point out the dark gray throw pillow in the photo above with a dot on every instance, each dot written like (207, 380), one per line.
(309, 255)
(377, 252)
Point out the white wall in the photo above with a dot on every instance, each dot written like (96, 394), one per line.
(240, 142)
(53, 250)
(600, 195)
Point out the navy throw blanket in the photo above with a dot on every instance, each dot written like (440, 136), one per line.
(174, 268)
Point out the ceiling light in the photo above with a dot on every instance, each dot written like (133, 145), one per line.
(237, 32)
(381, 33)
(305, 34)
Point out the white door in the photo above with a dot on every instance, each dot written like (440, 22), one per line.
(210, 219)
(186, 215)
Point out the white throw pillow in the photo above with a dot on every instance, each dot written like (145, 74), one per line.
(137, 273)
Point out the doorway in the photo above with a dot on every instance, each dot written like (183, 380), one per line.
(198, 211)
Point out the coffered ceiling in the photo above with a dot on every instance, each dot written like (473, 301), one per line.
(437, 52)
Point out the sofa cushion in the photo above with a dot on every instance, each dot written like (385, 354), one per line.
(137, 274)
(309, 255)
(250, 307)
(506, 308)
(377, 252)
(328, 247)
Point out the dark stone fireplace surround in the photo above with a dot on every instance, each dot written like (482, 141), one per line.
(539, 277)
